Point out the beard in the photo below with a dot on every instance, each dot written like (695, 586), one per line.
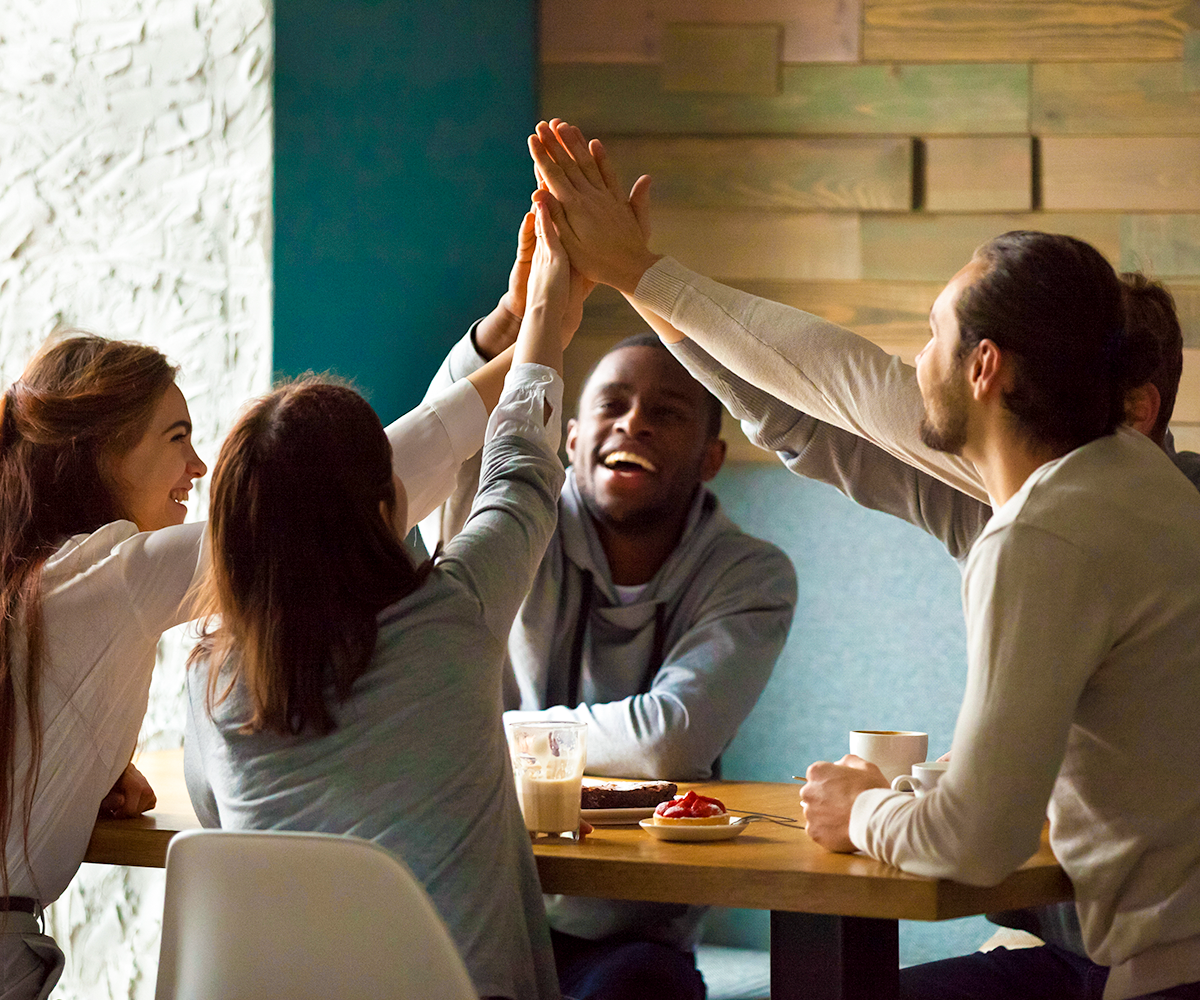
(944, 425)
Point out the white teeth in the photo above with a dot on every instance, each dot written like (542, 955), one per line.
(629, 458)
(180, 496)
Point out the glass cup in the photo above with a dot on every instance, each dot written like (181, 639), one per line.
(548, 760)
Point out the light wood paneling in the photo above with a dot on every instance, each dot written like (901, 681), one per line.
(1187, 307)
(630, 31)
(721, 58)
(1149, 174)
(892, 313)
(1023, 30)
(934, 247)
(1164, 246)
(770, 245)
(1187, 405)
(978, 174)
(1123, 98)
(775, 173)
(835, 99)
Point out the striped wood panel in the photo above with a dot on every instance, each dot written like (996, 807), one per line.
(1187, 306)
(1128, 173)
(604, 99)
(1162, 245)
(760, 245)
(1123, 98)
(894, 315)
(630, 31)
(771, 173)
(978, 174)
(933, 247)
(1187, 405)
(721, 58)
(1023, 30)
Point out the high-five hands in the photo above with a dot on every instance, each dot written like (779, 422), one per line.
(604, 232)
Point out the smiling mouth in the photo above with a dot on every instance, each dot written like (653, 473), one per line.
(627, 461)
(180, 496)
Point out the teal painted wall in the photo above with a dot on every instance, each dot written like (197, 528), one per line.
(401, 174)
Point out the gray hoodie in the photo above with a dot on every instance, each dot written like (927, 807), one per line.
(664, 679)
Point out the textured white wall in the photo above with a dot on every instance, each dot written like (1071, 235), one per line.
(135, 170)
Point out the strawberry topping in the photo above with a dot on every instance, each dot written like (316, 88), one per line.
(690, 805)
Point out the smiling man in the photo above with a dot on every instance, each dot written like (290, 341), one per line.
(653, 619)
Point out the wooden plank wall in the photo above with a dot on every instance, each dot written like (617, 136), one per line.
(847, 156)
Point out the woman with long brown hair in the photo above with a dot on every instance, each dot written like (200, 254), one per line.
(96, 463)
(341, 688)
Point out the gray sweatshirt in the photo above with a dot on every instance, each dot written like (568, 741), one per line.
(418, 762)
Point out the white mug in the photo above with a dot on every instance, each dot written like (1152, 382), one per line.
(924, 777)
(893, 751)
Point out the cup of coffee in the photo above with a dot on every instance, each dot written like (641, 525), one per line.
(893, 751)
(924, 777)
(548, 759)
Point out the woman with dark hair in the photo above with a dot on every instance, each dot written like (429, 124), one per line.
(340, 688)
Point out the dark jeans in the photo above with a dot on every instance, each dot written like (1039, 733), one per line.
(625, 970)
(1043, 973)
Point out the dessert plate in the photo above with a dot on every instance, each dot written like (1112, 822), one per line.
(616, 817)
(736, 825)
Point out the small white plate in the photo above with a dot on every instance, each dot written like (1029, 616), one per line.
(725, 831)
(616, 817)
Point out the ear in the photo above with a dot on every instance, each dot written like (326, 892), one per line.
(1142, 404)
(986, 372)
(572, 434)
(714, 458)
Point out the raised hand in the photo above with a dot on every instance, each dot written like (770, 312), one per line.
(541, 340)
(604, 232)
(498, 329)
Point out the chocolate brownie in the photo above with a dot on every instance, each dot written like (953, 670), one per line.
(625, 794)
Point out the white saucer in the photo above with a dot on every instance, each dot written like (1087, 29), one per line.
(724, 831)
(616, 817)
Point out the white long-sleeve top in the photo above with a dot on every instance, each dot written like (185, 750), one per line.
(107, 599)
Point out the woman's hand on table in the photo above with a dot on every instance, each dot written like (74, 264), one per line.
(828, 796)
(130, 796)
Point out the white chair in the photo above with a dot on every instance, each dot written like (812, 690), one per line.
(258, 915)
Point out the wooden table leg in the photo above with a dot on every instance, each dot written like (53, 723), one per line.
(820, 957)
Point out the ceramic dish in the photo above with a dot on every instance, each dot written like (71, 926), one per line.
(736, 825)
(616, 817)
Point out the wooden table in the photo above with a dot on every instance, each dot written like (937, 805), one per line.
(834, 932)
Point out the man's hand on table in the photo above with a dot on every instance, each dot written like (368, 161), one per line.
(130, 796)
(829, 794)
